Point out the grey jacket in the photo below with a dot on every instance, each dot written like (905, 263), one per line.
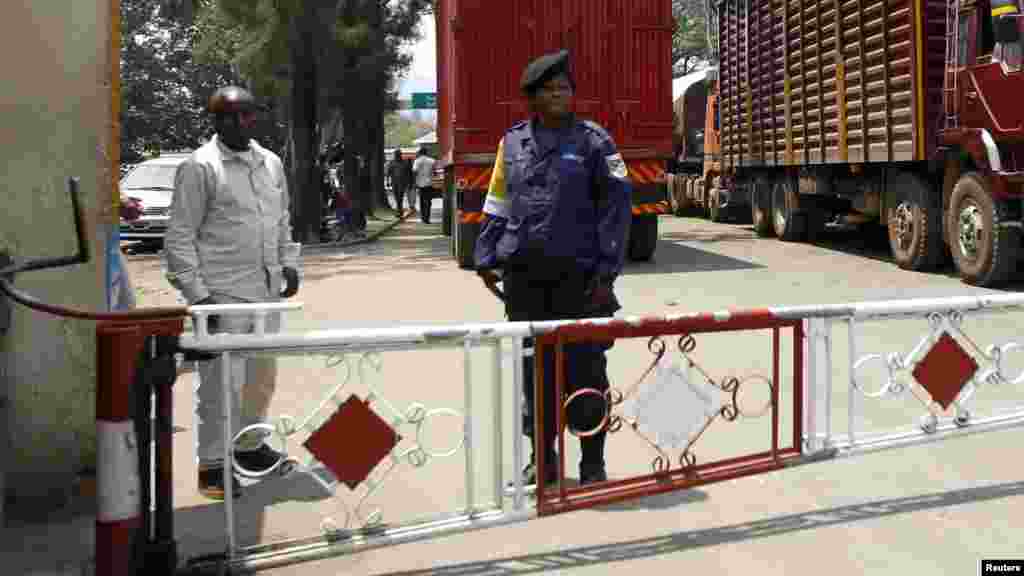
(229, 231)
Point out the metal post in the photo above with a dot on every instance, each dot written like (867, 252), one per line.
(517, 422)
(499, 480)
(467, 347)
(117, 474)
(852, 400)
(828, 384)
(164, 547)
(229, 462)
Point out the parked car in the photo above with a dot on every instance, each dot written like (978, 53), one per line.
(151, 184)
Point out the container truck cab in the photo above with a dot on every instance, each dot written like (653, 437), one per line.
(898, 113)
(689, 108)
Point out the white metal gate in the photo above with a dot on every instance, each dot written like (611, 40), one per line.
(845, 392)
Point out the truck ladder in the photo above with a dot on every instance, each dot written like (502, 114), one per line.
(950, 95)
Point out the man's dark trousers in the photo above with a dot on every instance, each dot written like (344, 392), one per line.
(426, 197)
(552, 291)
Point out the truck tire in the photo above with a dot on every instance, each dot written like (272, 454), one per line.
(683, 202)
(643, 237)
(985, 251)
(714, 206)
(760, 208)
(787, 222)
(814, 224)
(914, 223)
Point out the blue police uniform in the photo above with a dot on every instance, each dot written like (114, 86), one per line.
(557, 217)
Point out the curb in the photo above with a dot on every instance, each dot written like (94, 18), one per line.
(324, 246)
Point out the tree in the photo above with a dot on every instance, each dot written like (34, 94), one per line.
(316, 57)
(689, 41)
(164, 90)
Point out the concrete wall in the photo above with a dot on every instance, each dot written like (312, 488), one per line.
(56, 110)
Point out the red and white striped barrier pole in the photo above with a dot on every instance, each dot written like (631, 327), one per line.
(117, 458)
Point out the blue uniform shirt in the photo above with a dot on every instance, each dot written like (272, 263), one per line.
(557, 195)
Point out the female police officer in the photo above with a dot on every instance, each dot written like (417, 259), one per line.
(557, 216)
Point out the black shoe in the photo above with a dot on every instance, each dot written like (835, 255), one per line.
(530, 475)
(211, 483)
(260, 460)
(592, 475)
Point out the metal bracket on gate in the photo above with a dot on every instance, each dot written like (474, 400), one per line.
(5, 306)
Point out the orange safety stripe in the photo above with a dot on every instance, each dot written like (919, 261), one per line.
(473, 177)
(471, 217)
(646, 171)
(651, 208)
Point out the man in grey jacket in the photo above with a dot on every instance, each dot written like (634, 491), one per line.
(229, 241)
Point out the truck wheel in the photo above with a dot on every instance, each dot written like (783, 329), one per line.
(815, 223)
(985, 251)
(760, 208)
(787, 223)
(643, 237)
(714, 206)
(915, 235)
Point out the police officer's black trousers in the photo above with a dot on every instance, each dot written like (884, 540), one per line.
(557, 293)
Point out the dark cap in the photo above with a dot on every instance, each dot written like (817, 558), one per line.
(232, 99)
(543, 69)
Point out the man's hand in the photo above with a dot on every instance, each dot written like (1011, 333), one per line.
(491, 279)
(131, 208)
(291, 278)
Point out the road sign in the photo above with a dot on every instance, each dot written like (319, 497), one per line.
(424, 100)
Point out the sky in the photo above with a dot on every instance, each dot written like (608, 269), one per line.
(422, 75)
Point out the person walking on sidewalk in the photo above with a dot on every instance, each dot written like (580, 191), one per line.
(396, 172)
(423, 167)
(556, 218)
(229, 240)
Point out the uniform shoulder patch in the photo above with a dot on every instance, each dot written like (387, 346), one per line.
(596, 129)
(617, 166)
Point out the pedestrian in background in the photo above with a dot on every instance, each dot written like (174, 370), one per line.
(229, 240)
(423, 167)
(396, 172)
(556, 218)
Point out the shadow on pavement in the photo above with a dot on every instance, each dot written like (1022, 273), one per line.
(670, 257)
(695, 539)
(873, 243)
(201, 529)
(662, 501)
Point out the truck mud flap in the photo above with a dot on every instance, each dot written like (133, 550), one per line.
(643, 237)
(464, 242)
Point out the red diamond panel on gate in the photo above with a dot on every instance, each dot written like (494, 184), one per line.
(944, 370)
(352, 442)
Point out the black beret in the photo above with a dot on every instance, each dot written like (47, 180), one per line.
(543, 69)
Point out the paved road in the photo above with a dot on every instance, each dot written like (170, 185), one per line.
(930, 509)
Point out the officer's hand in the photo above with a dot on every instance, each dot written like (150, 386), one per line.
(491, 279)
(212, 321)
(600, 294)
(291, 278)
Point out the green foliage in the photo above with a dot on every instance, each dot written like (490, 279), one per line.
(689, 41)
(163, 88)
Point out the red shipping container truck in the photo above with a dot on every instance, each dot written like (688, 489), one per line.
(621, 57)
(894, 112)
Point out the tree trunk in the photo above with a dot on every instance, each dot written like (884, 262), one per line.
(304, 99)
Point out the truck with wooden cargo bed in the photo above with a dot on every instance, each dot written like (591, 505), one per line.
(621, 59)
(902, 113)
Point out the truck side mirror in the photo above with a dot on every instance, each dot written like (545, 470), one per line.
(1005, 29)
